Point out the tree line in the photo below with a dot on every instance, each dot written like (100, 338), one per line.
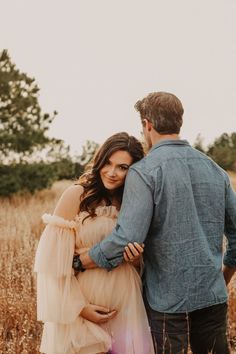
(30, 160)
(222, 150)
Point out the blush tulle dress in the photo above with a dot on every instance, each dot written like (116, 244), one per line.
(62, 294)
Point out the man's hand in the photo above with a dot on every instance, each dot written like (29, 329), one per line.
(82, 250)
(228, 273)
(97, 314)
(132, 253)
(87, 262)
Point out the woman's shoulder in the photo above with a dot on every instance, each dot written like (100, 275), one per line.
(69, 202)
(73, 191)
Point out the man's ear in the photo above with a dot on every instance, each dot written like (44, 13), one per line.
(148, 124)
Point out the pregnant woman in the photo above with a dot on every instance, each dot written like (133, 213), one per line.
(94, 311)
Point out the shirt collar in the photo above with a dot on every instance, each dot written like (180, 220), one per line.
(169, 142)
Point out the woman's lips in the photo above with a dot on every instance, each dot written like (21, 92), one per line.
(110, 180)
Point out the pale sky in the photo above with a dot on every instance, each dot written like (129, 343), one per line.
(93, 59)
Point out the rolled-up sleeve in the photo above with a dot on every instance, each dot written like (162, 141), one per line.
(230, 227)
(132, 225)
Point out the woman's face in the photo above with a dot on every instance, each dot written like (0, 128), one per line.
(114, 171)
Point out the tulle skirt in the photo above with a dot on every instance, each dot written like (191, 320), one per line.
(127, 333)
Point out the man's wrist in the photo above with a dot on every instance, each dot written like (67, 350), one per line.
(87, 261)
(77, 264)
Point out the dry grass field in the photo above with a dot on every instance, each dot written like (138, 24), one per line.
(20, 229)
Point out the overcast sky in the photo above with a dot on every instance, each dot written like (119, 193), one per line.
(93, 59)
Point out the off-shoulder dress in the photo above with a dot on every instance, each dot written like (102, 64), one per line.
(62, 294)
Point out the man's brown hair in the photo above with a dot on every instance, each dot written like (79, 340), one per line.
(164, 110)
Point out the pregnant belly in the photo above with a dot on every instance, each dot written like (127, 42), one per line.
(110, 289)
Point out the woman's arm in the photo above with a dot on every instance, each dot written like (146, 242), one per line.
(67, 208)
(59, 297)
(69, 204)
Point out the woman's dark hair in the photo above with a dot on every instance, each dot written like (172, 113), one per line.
(94, 190)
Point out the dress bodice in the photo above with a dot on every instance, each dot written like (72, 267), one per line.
(93, 230)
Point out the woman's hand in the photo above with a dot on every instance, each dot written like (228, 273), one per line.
(97, 314)
(133, 252)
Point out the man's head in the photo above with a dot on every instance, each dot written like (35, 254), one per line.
(162, 111)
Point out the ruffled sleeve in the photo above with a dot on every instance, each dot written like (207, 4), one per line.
(59, 297)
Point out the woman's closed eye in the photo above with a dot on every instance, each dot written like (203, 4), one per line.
(124, 167)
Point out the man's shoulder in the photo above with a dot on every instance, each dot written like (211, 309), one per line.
(154, 160)
(147, 166)
(211, 162)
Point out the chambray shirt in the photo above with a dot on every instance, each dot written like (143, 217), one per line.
(179, 203)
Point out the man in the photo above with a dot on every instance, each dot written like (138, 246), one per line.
(180, 203)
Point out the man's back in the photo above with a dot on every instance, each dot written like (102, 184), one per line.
(180, 204)
(183, 253)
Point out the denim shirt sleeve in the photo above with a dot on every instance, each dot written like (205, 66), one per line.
(230, 227)
(132, 225)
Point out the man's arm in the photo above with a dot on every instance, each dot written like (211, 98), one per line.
(230, 232)
(87, 261)
(131, 254)
(132, 225)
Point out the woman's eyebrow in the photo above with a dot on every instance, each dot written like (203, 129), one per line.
(124, 164)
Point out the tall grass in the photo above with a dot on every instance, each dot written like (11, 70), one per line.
(20, 229)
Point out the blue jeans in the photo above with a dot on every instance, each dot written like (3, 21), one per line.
(204, 331)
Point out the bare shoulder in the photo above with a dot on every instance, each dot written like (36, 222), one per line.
(74, 190)
(69, 202)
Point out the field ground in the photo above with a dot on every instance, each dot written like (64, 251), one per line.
(20, 229)
(233, 178)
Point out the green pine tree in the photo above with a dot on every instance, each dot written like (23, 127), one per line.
(23, 126)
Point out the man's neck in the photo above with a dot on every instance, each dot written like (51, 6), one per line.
(157, 138)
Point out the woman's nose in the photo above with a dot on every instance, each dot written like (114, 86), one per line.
(111, 172)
